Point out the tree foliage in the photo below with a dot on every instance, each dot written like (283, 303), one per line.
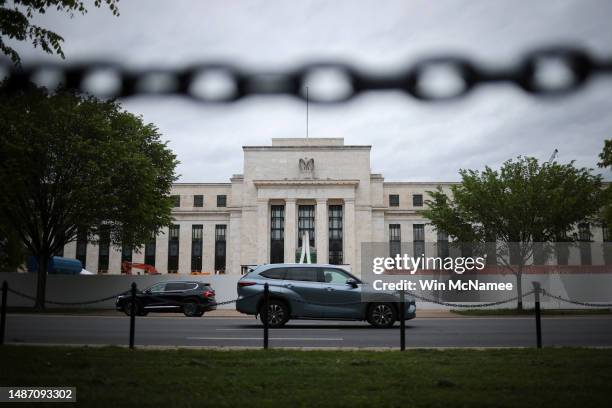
(521, 203)
(606, 162)
(16, 23)
(70, 162)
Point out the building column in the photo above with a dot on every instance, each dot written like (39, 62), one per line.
(322, 231)
(70, 249)
(184, 263)
(233, 256)
(114, 260)
(349, 233)
(138, 255)
(263, 232)
(161, 251)
(290, 234)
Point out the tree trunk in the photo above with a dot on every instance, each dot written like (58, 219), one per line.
(519, 289)
(41, 286)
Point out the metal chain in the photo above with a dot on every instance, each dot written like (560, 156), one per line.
(575, 302)
(223, 83)
(420, 297)
(68, 303)
(423, 298)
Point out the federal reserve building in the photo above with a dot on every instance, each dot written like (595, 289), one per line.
(318, 189)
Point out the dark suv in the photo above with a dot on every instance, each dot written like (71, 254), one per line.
(191, 298)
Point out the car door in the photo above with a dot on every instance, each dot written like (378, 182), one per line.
(152, 297)
(173, 295)
(344, 300)
(305, 292)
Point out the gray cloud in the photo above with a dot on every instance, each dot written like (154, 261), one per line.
(411, 140)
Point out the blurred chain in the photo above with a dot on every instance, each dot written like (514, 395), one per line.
(464, 305)
(88, 302)
(575, 302)
(549, 71)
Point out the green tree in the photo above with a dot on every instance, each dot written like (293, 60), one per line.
(606, 162)
(522, 203)
(70, 162)
(16, 23)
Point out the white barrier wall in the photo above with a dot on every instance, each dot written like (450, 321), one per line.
(82, 288)
(77, 288)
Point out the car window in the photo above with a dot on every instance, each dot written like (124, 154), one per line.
(335, 276)
(159, 287)
(275, 273)
(303, 274)
(172, 286)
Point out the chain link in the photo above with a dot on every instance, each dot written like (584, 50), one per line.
(575, 302)
(425, 299)
(89, 302)
(415, 295)
(549, 71)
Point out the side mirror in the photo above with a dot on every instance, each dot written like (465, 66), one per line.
(351, 282)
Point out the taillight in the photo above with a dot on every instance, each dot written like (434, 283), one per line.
(209, 293)
(246, 283)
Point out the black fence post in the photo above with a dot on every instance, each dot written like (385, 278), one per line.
(132, 314)
(402, 318)
(536, 289)
(3, 312)
(265, 314)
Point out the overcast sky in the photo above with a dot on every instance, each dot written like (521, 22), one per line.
(411, 140)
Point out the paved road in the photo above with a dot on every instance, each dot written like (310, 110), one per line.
(238, 331)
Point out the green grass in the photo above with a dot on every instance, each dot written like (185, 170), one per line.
(545, 312)
(111, 376)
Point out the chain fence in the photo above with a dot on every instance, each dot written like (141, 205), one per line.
(547, 71)
(266, 296)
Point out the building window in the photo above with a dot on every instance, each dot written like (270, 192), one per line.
(417, 200)
(198, 200)
(173, 248)
(220, 247)
(395, 240)
(60, 250)
(584, 236)
(103, 250)
(393, 200)
(221, 201)
(584, 232)
(418, 232)
(306, 223)
(335, 235)
(196, 248)
(81, 247)
(277, 234)
(149, 256)
(176, 201)
(443, 251)
(126, 253)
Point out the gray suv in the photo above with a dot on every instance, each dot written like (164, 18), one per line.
(307, 291)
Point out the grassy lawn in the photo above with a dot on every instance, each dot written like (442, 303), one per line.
(109, 377)
(545, 312)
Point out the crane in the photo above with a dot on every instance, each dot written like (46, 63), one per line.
(126, 268)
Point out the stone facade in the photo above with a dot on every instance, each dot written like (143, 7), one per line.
(288, 174)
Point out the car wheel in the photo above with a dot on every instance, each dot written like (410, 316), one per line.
(192, 309)
(381, 315)
(278, 314)
(127, 308)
